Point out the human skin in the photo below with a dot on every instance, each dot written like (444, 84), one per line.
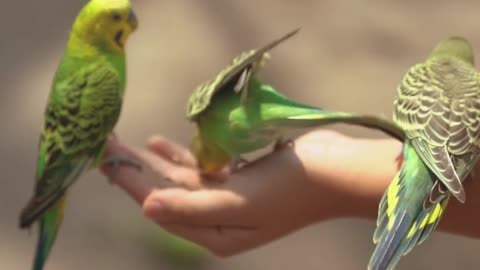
(323, 176)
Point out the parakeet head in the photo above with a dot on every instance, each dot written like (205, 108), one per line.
(105, 23)
(455, 46)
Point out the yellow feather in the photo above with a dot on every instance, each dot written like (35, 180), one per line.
(412, 230)
(436, 214)
(392, 197)
(61, 210)
(211, 158)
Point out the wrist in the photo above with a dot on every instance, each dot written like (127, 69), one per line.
(348, 176)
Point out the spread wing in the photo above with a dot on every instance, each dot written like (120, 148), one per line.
(236, 75)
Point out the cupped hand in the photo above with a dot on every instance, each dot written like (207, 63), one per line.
(322, 176)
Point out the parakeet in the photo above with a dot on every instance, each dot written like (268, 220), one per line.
(437, 104)
(236, 113)
(83, 106)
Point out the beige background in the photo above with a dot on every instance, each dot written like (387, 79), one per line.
(349, 56)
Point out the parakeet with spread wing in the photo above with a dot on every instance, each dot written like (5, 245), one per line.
(236, 113)
(438, 106)
(84, 105)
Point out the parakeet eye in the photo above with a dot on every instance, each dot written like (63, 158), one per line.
(117, 17)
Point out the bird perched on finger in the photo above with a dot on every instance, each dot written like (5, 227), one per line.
(83, 107)
(236, 113)
(438, 106)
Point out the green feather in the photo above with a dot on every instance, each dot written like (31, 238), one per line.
(402, 221)
(83, 107)
(438, 106)
(237, 113)
(49, 225)
(203, 95)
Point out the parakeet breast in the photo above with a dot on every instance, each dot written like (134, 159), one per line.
(236, 127)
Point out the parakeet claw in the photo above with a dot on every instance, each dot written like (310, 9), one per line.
(399, 160)
(237, 164)
(168, 182)
(116, 161)
(282, 143)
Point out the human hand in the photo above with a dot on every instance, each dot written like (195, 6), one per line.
(325, 175)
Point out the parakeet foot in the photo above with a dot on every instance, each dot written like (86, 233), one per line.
(214, 179)
(237, 164)
(116, 161)
(214, 176)
(282, 143)
(399, 160)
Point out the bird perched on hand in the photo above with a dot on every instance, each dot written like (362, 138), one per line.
(237, 113)
(437, 104)
(83, 107)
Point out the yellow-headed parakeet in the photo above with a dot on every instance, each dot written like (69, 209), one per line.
(84, 105)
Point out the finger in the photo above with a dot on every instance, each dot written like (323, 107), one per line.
(128, 178)
(222, 241)
(203, 207)
(163, 169)
(174, 162)
(171, 151)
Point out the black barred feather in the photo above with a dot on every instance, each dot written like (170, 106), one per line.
(438, 106)
(79, 117)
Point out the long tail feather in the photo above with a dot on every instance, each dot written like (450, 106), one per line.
(277, 110)
(36, 208)
(403, 223)
(388, 246)
(368, 121)
(49, 224)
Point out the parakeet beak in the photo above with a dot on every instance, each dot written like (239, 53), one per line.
(132, 20)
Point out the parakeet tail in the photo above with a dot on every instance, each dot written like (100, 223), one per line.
(278, 110)
(402, 221)
(368, 121)
(49, 225)
(42, 201)
(35, 209)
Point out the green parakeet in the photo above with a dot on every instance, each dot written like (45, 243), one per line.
(83, 107)
(437, 104)
(236, 113)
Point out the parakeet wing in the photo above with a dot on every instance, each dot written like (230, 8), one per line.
(437, 105)
(82, 111)
(434, 105)
(203, 94)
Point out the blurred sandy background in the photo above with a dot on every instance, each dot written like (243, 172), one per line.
(349, 56)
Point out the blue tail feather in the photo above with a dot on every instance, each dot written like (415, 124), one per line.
(403, 222)
(49, 224)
